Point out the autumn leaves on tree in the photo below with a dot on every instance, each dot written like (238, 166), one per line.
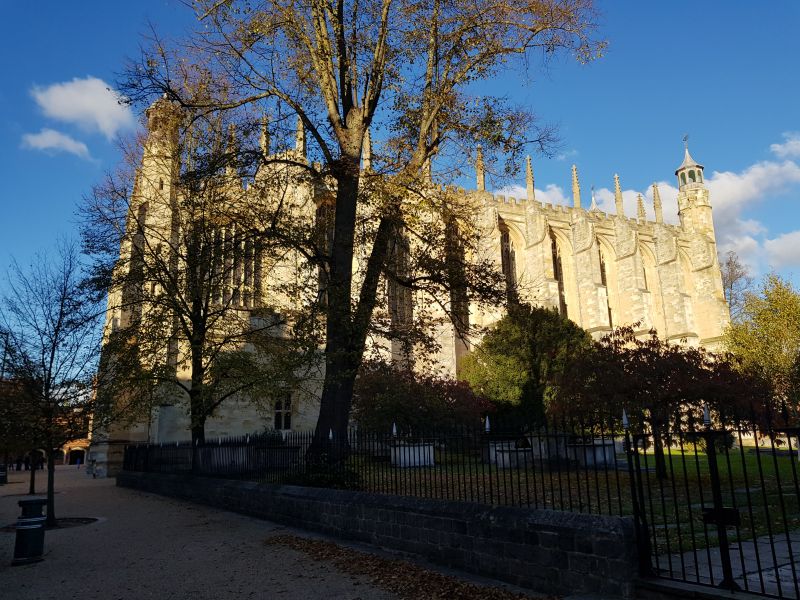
(396, 71)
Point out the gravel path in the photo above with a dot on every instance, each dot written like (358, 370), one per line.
(149, 547)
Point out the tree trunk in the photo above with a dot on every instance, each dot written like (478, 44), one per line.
(658, 451)
(51, 493)
(196, 395)
(341, 363)
(330, 438)
(198, 421)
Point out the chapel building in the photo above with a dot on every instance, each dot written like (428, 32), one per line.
(601, 270)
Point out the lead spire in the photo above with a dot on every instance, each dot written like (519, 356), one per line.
(576, 188)
(263, 140)
(480, 174)
(529, 179)
(618, 196)
(640, 204)
(232, 150)
(657, 204)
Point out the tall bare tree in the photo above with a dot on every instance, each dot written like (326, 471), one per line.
(405, 70)
(54, 330)
(183, 257)
(736, 283)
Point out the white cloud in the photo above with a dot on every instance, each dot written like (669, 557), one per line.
(51, 140)
(751, 226)
(630, 201)
(88, 103)
(512, 191)
(732, 192)
(790, 148)
(568, 154)
(784, 250)
(746, 247)
(552, 194)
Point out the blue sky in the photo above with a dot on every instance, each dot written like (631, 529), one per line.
(723, 72)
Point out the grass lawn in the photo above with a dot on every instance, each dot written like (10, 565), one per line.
(761, 484)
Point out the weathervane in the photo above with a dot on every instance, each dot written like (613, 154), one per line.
(686, 141)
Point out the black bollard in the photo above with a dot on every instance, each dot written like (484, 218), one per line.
(29, 545)
(3, 474)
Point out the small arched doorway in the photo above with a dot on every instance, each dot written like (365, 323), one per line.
(75, 455)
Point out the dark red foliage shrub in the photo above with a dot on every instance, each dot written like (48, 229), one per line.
(385, 395)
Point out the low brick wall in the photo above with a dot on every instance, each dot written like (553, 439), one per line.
(549, 551)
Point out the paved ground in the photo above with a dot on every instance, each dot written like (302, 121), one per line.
(149, 547)
(761, 564)
(146, 547)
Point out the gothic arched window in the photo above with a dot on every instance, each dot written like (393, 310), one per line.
(509, 262)
(558, 274)
(324, 240)
(401, 309)
(604, 282)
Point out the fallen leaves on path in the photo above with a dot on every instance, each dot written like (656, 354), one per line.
(406, 580)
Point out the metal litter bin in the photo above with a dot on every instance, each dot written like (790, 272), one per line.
(29, 545)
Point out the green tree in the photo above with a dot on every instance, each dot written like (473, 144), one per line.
(403, 68)
(736, 283)
(520, 363)
(767, 337)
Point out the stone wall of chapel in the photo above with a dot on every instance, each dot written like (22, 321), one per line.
(662, 276)
(238, 416)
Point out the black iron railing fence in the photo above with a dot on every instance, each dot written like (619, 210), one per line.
(713, 506)
(721, 507)
(576, 470)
